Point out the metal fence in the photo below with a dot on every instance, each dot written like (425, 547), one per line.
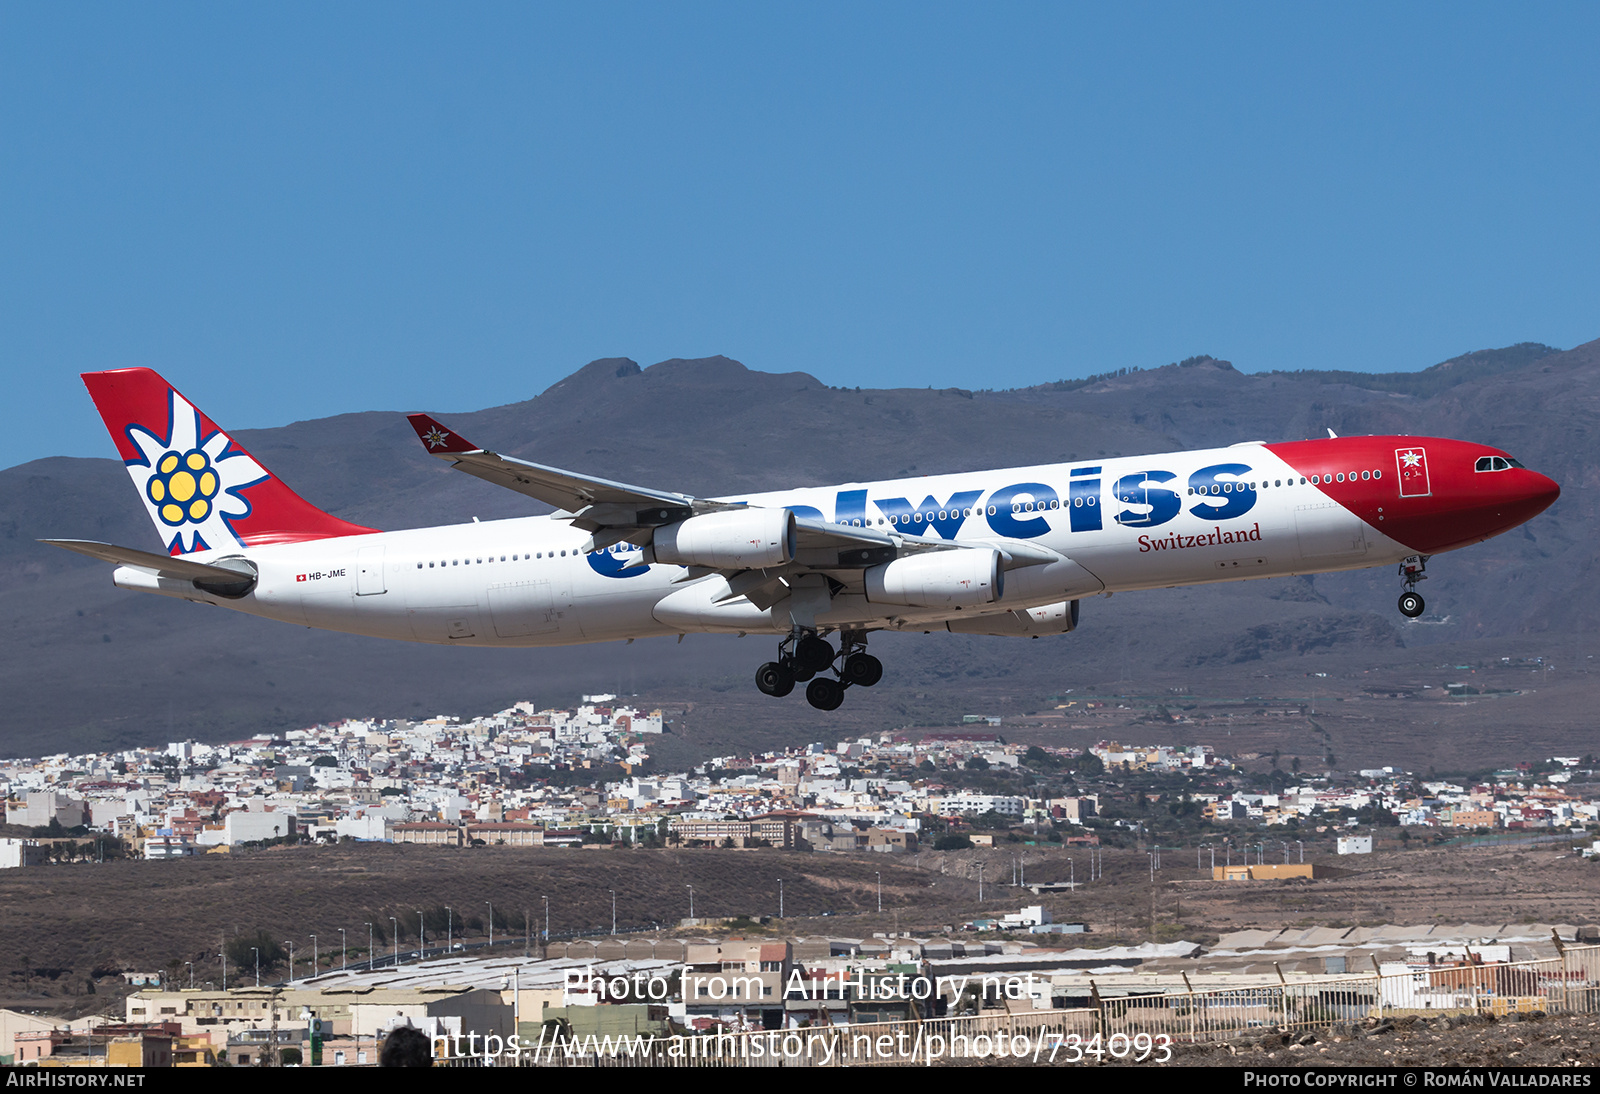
(1121, 1027)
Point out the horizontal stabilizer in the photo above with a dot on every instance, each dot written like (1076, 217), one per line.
(165, 565)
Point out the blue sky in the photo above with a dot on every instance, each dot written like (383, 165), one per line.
(299, 210)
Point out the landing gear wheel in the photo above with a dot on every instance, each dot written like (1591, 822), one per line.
(813, 653)
(863, 670)
(774, 680)
(825, 694)
(1411, 605)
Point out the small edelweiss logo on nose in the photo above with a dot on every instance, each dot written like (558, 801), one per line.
(184, 487)
(436, 437)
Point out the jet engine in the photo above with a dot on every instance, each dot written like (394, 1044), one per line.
(737, 539)
(964, 578)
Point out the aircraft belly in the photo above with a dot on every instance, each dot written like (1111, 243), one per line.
(443, 608)
(519, 609)
(607, 606)
(1327, 530)
(694, 608)
(615, 617)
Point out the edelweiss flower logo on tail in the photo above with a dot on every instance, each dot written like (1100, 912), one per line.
(191, 484)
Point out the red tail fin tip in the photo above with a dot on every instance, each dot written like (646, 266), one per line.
(203, 491)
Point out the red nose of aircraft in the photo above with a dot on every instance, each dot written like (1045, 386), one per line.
(1427, 493)
(1477, 493)
(1526, 494)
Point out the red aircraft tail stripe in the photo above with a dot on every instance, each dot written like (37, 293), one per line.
(142, 412)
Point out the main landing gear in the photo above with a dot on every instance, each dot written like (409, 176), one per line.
(806, 658)
(1412, 570)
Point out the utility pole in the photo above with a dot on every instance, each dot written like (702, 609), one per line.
(272, 1049)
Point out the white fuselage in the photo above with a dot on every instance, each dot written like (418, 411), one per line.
(528, 582)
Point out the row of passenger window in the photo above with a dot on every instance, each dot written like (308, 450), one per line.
(1340, 477)
(1313, 480)
(485, 559)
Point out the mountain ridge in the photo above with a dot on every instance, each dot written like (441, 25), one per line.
(88, 664)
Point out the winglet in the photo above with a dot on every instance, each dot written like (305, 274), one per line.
(438, 440)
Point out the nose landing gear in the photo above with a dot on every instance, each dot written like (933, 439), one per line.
(1412, 571)
(805, 656)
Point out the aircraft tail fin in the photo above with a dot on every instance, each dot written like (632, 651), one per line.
(203, 491)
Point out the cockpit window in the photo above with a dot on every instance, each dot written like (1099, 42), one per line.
(1495, 463)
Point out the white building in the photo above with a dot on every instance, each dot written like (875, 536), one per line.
(43, 806)
(975, 805)
(20, 852)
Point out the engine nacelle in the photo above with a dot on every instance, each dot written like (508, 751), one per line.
(1059, 618)
(964, 578)
(738, 539)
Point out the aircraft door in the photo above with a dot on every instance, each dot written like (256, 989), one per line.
(369, 571)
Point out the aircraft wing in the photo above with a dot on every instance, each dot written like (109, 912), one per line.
(566, 490)
(616, 511)
(823, 545)
(167, 566)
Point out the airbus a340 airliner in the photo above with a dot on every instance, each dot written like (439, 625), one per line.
(1007, 552)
